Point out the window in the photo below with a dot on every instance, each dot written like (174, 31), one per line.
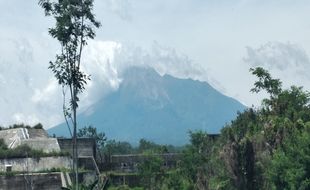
(8, 168)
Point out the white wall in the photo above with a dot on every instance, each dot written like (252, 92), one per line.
(35, 164)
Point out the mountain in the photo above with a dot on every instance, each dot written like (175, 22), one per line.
(158, 108)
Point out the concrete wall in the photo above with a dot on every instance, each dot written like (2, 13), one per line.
(13, 137)
(45, 144)
(130, 180)
(50, 181)
(37, 133)
(130, 162)
(35, 164)
(86, 146)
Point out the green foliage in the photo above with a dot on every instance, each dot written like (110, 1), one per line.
(266, 148)
(75, 23)
(21, 125)
(148, 146)
(265, 82)
(175, 181)
(145, 146)
(24, 151)
(38, 126)
(151, 171)
(52, 170)
(117, 147)
(194, 165)
(290, 164)
(125, 187)
(11, 173)
(3, 146)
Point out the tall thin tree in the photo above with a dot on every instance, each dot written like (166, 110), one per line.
(75, 24)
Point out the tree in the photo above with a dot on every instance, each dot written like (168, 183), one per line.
(151, 170)
(75, 24)
(195, 161)
(148, 146)
(265, 82)
(117, 147)
(292, 163)
(174, 181)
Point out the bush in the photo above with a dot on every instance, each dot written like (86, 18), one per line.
(15, 126)
(21, 125)
(38, 126)
(24, 151)
(3, 146)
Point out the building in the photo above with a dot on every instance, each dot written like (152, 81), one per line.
(130, 162)
(37, 171)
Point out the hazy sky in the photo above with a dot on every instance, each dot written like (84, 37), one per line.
(209, 40)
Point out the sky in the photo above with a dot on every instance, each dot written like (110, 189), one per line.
(216, 41)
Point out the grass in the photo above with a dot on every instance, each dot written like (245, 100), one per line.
(52, 170)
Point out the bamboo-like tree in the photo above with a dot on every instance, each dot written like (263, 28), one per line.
(75, 24)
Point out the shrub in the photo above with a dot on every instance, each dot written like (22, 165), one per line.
(24, 151)
(38, 126)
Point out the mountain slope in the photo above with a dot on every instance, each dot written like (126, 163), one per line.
(159, 108)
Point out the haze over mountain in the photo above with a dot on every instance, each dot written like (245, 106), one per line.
(158, 108)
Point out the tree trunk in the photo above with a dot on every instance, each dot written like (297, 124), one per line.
(75, 148)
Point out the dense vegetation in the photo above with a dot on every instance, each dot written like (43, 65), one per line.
(263, 148)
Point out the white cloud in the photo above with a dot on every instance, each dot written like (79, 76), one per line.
(106, 61)
(278, 55)
(287, 61)
(44, 95)
(97, 61)
(31, 94)
(24, 76)
(22, 118)
(167, 60)
(121, 8)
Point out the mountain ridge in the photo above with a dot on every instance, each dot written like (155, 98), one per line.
(158, 108)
